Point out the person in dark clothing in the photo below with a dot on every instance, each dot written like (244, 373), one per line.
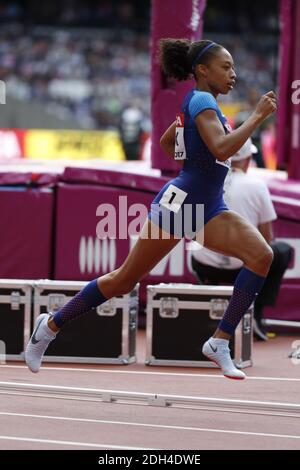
(249, 197)
(130, 132)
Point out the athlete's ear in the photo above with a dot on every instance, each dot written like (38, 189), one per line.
(202, 70)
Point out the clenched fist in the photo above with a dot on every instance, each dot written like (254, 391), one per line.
(266, 105)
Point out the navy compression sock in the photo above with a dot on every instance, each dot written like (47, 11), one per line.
(89, 297)
(247, 286)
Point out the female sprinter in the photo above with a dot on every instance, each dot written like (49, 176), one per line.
(200, 137)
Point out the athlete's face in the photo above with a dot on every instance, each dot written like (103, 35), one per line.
(221, 73)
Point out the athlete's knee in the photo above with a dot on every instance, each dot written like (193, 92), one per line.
(266, 256)
(262, 258)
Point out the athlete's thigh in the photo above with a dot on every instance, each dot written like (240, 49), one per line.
(230, 234)
(151, 246)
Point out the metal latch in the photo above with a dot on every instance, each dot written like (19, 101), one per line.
(15, 300)
(108, 309)
(168, 307)
(217, 308)
(56, 302)
(247, 323)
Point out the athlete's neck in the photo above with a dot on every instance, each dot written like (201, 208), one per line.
(204, 87)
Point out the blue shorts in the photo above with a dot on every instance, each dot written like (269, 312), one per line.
(182, 207)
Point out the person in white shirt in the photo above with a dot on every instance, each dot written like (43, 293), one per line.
(250, 198)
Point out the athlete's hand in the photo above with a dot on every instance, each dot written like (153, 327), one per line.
(266, 105)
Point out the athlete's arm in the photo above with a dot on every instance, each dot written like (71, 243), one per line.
(167, 140)
(266, 231)
(222, 145)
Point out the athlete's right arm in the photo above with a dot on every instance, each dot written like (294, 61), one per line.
(222, 145)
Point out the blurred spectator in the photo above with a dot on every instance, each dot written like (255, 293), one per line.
(131, 131)
(88, 76)
(92, 58)
(249, 197)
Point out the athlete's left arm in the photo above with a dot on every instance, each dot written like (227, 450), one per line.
(167, 140)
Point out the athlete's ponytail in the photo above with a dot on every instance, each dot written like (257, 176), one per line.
(173, 54)
(179, 57)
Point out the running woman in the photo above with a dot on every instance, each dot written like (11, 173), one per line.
(201, 138)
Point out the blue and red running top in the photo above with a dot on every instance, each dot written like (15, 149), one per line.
(195, 196)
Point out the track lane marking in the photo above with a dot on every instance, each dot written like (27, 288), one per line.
(71, 443)
(149, 425)
(168, 374)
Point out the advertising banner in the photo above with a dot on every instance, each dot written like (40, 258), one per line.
(11, 144)
(73, 145)
(289, 91)
(83, 253)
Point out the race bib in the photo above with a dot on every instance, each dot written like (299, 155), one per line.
(180, 152)
(173, 198)
(228, 130)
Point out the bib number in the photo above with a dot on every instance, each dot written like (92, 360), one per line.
(228, 130)
(173, 198)
(180, 152)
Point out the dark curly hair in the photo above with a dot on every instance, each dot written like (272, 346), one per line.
(177, 57)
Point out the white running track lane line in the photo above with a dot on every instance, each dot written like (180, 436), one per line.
(168, 374)
(148, 425)
(71, 443)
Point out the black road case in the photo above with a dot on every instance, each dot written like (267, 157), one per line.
(181, 317)
(15, 310)
(105, 335)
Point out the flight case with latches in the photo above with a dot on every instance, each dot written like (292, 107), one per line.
(105, 335)
(15, 310)
(181, 317)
